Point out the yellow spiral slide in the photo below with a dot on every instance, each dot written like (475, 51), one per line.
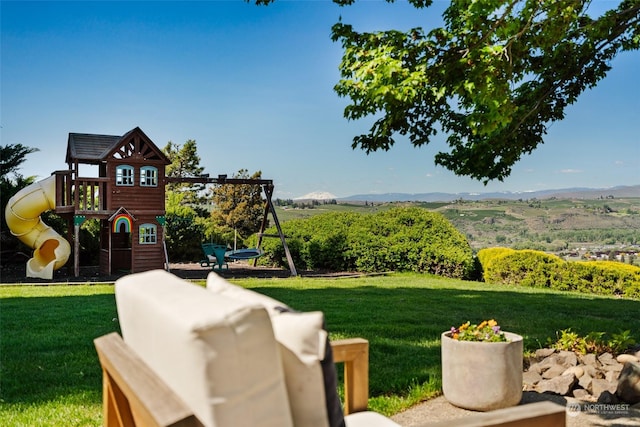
(23, 218)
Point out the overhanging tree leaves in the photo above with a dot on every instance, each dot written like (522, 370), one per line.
(492, 78)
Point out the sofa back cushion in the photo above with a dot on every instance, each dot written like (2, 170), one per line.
(310, 373)
(218, 354)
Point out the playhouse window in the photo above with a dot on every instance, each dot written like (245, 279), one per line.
(148, 234)
(124, 175)
(148, 176)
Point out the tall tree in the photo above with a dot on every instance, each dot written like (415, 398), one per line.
(185, 163)
(239, 207)
(12, 156)
(185, 227)
(493, 78)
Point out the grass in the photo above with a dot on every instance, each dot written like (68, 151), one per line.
(51, 377)
(49, 373)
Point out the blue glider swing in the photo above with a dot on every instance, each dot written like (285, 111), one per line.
(242, 254)
(221, 254)
(247, 253)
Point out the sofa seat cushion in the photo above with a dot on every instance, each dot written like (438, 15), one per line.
(218, 354)
(310, 373)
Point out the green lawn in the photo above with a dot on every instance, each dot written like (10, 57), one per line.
(51, 377)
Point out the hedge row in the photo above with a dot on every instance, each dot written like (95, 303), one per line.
(539, 269)
(398, 239)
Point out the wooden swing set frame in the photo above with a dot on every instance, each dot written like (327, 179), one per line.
(268, 187)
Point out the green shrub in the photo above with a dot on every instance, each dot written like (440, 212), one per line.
(399, 239)
(525, 268)
(605, 277)
(539, 269)
(593, 342)
(487, 255)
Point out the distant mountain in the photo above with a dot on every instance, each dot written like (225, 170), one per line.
(317, 195)
(566, 193)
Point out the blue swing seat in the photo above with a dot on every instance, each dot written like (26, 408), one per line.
(212, 250)
(240, 254)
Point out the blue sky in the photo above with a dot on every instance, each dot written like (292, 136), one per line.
(254, 87)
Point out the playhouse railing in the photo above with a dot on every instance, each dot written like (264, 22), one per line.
(80, 196)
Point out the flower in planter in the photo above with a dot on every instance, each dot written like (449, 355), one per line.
(486, 331)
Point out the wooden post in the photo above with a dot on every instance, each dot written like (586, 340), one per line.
(268, 189)
(133, 395)
(77, 222)
(354, 353)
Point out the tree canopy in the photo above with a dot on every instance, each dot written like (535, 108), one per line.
(185, 163)
(12, 156)
(239, 207)
(492, 78)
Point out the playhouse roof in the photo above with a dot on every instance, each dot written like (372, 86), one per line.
(94, 149)
(89, 148)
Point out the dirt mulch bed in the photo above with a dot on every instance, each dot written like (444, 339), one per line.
(16, 273)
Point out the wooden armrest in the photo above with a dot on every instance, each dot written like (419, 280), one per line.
(133, 395)
(354, 353)
(539, 414)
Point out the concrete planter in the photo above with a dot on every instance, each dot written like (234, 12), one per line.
(482, 376)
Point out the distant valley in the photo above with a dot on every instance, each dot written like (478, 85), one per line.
(573, 222)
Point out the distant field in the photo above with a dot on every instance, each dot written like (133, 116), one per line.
(286, 213)
(554, 225)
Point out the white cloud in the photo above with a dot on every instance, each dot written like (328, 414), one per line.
(570, 171)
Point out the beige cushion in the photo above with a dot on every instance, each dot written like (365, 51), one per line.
(218, 354)
(310, 377)
(368, 419)
(303, 344)
(219, 285)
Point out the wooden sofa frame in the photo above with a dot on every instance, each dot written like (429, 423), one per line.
(133, 395)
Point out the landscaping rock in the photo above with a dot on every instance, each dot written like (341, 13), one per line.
(582, 394)
(531, 378)
(628, 388)
(541, 353)
(599, 386)
(608, 397)
(592, 371)
(567, 359)
(547, 362)
(611, 376)
(561, 385)
(554, 370)
(585, 382)
(624, 358)
(578, 371)
(607, 359)
(616, 367)
(589, 377)
(535, 367)
(588, 359)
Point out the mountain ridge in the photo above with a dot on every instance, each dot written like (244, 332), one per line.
(564, 193)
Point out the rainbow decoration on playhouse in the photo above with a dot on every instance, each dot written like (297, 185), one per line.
(119, 220)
